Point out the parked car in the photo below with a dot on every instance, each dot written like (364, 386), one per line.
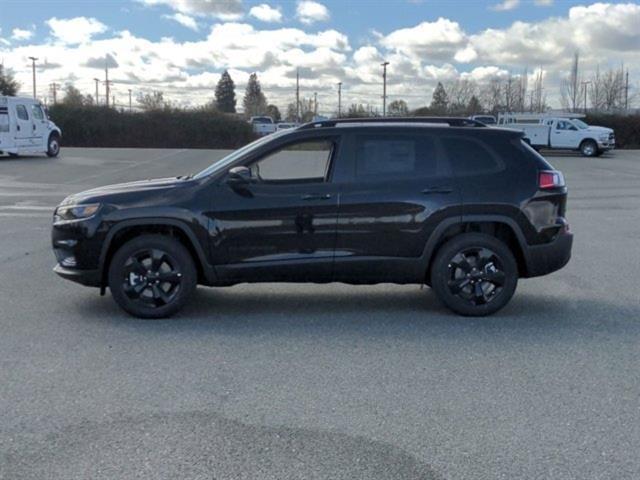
(486, 119)
(262, 125)
(468, 210)
(564, 132)
(285, 126)
(25, 128)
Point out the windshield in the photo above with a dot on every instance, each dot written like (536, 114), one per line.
(233, 156)
(580, 124)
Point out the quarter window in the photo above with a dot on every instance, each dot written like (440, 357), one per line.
(471, 157)
(397, 156)
(306, 161)
(22, 112)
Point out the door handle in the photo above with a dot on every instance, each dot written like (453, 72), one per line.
(325, 196)
(430, 190)
(34, 126)
(18, 127)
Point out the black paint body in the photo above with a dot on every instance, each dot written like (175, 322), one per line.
(343, 229)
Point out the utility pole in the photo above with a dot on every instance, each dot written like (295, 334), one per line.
(106, 83)
(97, 80)
(315, 104)
(584, 86)
(33, 70)
(297, 95)
(339, 99)
(54, 91)
(384, 88)
(626, 93)
(129, 100)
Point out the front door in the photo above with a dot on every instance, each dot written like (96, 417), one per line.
(401, 189)
(282, 225)
(24, 126)
(565, 135)
(39, 126)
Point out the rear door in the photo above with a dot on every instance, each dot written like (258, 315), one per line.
(400, 188)
(24, 126)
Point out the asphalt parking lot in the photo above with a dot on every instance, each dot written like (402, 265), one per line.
(303, 381)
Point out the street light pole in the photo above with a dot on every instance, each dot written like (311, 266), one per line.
(339, 99)
(584, 87)
(33, 69)
(129, 100)
(384, 88)
(97, 80)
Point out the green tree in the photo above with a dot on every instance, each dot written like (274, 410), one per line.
(8, 84)
(226, 94)
(254, 101)
(474, 107)
(274, 112)
(398, 108)
(73, 97)
(439, 101)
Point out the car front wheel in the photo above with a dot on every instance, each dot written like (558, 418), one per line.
(152, 276)
(474, 274)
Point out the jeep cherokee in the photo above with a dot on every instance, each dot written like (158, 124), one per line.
(445, 202)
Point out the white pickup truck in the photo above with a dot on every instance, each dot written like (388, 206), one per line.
(562, 132)
(25, 128)
(263, 125)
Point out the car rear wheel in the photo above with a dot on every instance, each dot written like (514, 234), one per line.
(152, 276)
(589, 148)
(474, 274)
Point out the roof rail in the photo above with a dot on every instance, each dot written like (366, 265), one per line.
(451, 121)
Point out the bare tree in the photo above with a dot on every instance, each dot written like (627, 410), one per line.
(152, 101)
(538, 97)
(607, 91)
(491, 95)
(570, 88)
(460, 93)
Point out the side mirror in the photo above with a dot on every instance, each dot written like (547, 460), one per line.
(238, 176)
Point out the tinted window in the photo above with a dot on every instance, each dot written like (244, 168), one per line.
(306, 161)
(37, 112)
(470, 156)
(398, 156)
(22, 112)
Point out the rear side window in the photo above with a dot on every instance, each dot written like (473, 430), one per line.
(470, 156)
(21, 111)
(397, 156)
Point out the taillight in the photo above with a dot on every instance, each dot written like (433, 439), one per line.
(550, 179)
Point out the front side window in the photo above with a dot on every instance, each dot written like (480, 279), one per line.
(37, 112)
(21, 111)
(564, 125)
(379, 157)
(306, 161)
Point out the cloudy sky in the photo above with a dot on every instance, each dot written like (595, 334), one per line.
(181, 46)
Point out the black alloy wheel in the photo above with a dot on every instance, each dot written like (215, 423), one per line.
(474, 274)
(152, 276)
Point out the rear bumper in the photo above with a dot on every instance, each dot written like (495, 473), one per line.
(544, 259)
(89, 278)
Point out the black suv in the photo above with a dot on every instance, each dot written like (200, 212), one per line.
(449, 203)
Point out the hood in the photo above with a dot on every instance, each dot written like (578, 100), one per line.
(150, 186)
(597, 129)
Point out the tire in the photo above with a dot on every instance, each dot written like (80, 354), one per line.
(53, 145)
(589, 148)
(136, 274)
(481, 268)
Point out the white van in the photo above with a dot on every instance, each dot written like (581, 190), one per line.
(25, 128)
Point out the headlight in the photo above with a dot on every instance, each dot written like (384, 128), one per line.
(76, 212)
(604, 138)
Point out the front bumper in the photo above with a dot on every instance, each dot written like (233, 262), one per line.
(550, 257)
(89, 278)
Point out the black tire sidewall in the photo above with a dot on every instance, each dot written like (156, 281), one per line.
(50, 152)
(440, 273)
(167, 244)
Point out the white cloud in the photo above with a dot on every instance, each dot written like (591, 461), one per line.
(309, 12)
(184, 20)
(266, 13)
(20, 34)
(505, 5)
(543, 3)
(223, 9)
(75, 30)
